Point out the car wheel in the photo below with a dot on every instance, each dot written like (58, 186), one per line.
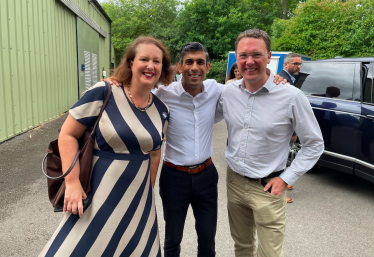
(295, 146)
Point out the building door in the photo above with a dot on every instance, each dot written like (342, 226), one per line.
(88, 56)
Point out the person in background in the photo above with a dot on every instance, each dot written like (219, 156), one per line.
(234, 74)
(120, 217)
(291, 68)
(175, 68)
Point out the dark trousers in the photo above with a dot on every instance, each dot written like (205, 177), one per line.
(178, 190)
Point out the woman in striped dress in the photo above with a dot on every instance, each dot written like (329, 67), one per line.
(120, 217)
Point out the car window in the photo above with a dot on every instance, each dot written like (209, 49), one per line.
(325, 79)
(367, 84)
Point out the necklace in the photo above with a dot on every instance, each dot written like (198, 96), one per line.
(132, 100)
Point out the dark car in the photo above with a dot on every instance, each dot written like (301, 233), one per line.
(341, 94)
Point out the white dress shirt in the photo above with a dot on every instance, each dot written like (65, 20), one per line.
(189, 133)
(260, 126)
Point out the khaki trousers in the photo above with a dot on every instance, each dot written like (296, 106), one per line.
(251, 209)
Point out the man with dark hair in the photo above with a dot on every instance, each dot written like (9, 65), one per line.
(188, 175)
(261, 117)
(291, 67)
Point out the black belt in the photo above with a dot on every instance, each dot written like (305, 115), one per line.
(262, 180)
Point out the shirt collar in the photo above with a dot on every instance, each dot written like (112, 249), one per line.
(180, 89)
(268, 86)
(292, 77)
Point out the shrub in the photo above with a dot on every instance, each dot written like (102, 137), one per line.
(217, 71)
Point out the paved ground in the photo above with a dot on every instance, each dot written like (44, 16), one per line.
(332, 214)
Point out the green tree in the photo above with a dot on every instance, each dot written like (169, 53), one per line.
(133, 18)
(325, 29)
(218, 70)
(214, 23)
(217, 23)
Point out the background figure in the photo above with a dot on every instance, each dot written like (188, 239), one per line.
(234, 74)
(175, 68)
(120, 217)
(291, 67)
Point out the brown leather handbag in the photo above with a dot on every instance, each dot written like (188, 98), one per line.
(53, 171)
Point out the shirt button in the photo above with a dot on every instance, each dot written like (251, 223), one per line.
(241, 159)
(197, 126)
(196, 155)
(197, 141)
(248, 111)
(246, 127)
(243, 143)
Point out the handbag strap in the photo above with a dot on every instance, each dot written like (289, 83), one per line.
(91, 138)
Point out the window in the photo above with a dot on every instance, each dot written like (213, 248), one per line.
(327, 79)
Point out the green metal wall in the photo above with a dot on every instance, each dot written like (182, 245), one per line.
(38, 61)
(104, 47)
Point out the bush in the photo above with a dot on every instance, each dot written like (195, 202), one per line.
(217, 70)
(324, 29)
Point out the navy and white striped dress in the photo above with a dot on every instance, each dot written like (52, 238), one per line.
(120, 217)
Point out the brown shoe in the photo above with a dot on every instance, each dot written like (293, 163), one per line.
(289, 199)
(289, 187)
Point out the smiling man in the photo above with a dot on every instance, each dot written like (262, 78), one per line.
(188, 175)
(261, 117)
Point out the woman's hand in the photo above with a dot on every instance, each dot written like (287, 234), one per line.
(278, 79)
(74, 196)
(112, 80)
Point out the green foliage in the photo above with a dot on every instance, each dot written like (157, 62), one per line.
(268, 10)
(218, 71)
(214, 23)
(325, 29)
(133, 18)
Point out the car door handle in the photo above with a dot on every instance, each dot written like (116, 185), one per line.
(370, 117)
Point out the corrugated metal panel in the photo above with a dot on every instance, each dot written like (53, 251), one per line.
(38, 61)
(38, 73)
(82, 14)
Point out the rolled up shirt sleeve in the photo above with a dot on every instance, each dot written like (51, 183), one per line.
(310, 136)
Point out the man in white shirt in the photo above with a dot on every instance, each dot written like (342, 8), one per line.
(261, 117)
(188, 175)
